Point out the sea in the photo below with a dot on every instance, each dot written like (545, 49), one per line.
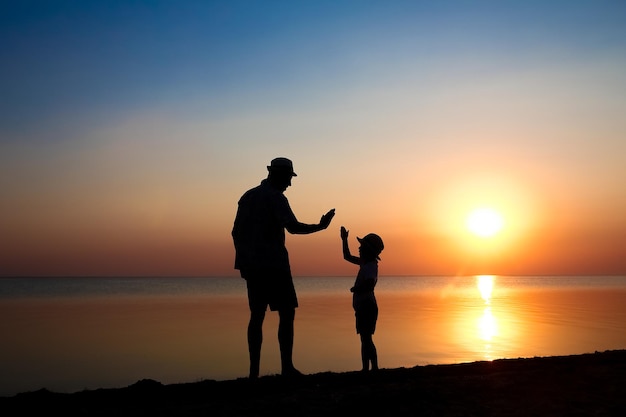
(73, 334)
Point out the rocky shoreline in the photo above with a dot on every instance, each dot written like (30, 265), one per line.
(591, 384)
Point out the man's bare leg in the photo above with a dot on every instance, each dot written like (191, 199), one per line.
(255, 340)
(285, 341)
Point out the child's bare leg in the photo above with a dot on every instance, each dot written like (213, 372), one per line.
(364, 356)
(368, 353)
(373, 356)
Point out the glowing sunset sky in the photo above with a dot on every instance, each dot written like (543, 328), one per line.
(129, 130)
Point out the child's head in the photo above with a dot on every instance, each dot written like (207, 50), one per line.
(371, 246)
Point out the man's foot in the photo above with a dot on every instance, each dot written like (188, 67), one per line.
(291, 373)
(254, 372)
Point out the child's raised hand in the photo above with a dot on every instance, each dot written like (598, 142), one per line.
(344, 233)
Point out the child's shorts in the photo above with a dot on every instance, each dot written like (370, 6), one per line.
(366, 318)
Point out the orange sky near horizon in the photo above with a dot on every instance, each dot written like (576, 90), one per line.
(424, 231)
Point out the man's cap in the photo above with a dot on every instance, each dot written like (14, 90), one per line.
(373, 241)
(282, 164)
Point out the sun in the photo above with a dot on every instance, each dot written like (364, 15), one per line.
(484, 222)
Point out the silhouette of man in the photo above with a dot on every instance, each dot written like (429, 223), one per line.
(261, 257)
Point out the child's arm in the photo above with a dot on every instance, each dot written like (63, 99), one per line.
(346, 249)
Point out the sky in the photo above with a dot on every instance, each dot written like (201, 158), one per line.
(129, 130)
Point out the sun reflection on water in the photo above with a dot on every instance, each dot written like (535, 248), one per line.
(485, 286)
(487, 323)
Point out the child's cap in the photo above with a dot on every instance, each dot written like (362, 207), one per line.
(374, 242)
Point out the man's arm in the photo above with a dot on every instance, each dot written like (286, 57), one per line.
(297, 228)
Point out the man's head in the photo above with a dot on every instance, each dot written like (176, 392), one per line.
(280, 172)
(282, 166)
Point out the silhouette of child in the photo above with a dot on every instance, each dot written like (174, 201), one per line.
(363, 298)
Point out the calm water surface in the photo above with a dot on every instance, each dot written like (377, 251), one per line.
(70, 334)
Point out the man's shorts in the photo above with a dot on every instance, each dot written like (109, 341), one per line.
(366, 318)
(272, 287)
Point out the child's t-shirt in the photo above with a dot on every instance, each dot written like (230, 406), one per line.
(366, 280)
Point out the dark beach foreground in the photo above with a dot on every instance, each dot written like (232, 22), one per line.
(592, 384)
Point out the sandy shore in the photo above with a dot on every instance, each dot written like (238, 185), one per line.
(580, 385)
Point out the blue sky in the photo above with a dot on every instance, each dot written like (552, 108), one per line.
(67, 59)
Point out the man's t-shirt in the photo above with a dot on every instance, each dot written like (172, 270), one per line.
(259, 229)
